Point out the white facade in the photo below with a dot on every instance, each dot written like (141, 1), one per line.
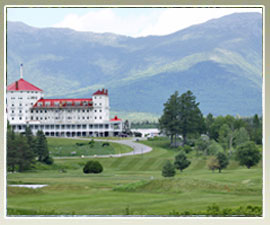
(59, 117)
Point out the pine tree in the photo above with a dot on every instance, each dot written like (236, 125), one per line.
(41, 147)
(168, 169)
(190, 116)
(169, 121)
(181, 162)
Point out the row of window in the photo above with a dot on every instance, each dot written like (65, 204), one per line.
(12, 92)
(20, 104)
(69, 118)
(29, 97)
(78, 126)
(69, 110)
(58, 118)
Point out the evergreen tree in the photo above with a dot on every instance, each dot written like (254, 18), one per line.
(30, 138)
(181, 115)
(26, 156)
(12, 155)
(190, 116)
(169, 121)
(181, 162)
(168, 169)
(41, 147)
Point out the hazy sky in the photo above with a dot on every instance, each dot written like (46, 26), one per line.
(133, 22)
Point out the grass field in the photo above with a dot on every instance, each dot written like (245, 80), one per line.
(72, 147)
(133, 185)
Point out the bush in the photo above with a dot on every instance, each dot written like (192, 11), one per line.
(48, 160)
(105, 144)
(168, 169)
(80, 144)
(92, 167)
(187, 149)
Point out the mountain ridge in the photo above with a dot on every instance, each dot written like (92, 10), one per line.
(75, 64)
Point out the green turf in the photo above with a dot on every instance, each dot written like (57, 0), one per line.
(69, 147)
(133, 185)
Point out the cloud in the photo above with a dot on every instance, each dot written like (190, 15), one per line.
(152, 22)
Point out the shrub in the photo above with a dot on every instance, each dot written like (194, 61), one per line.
(181, 162)
(248, 154)
(79, 144)
(213, 163)
(105, 144)
(168, 169)
(187, 149)
(92, 167)
(48, 160)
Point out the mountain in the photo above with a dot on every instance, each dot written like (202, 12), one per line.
(220, 61)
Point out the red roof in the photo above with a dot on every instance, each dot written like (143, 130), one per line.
(115, 119)
(58, 103)
(102, 92)
(22, 85)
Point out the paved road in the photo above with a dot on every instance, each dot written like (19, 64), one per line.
(138, 148)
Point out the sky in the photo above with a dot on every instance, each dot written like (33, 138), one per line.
(134, 22)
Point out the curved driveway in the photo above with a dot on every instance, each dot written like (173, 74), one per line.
(138, 148)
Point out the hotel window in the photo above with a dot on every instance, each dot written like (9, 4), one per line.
(83, 118)
(100, 110)
(88, 117)
(31, 118)
(36, 111)
(20, 111)
(12, 118)
(87, 110)
(20, 118)
(31, 111)
(95, 110)
(12, 104)
(36, 118)
(95, 117)
(12, 111)
(41, 111)
(12, 97)
(20, 104)
(31, 103)
(100, 104)
(100, 117)
(45, 118)
(83, 110)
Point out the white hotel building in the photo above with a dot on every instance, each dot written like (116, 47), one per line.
(82, 117)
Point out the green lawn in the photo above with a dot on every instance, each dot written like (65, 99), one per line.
(133, 185)
(71, 147)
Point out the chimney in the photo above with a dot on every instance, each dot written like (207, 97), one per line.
(17, 85)
(21, 71)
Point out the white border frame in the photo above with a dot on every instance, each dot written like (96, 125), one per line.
(139, 217)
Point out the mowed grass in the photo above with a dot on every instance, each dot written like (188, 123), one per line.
(71, 147)
(134, 185)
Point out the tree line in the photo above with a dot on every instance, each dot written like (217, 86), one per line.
(25, 149)
(222, 137)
